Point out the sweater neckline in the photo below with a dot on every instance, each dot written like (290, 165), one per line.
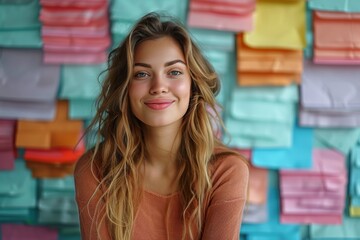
(171, 195)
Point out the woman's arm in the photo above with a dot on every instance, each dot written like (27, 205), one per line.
(91, 208)
(227, 200)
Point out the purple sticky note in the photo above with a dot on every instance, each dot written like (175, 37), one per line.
(27, 232)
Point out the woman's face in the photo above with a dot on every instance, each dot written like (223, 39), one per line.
(160, 89)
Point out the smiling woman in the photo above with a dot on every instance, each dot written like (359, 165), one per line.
(160, 89)
(158, 171)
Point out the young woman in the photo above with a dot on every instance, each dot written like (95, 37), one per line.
(158, 171)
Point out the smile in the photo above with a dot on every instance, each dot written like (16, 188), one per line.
(158, 105)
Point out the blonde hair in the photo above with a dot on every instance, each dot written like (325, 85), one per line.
(120, 148)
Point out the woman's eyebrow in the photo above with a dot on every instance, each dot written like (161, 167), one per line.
(173, 62)
(166, 64)
(142, 65)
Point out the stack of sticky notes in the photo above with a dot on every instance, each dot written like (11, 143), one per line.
(330, 96)
(267, 66)
(261, 116)
(51, 147)
(270, 55)
(80, 85)
(336, 31)
(19, 24)
(75, 32)
(229, 15)
(28, 86)
(18, 192)
(336, 37)
(316, 195)
(7, 147)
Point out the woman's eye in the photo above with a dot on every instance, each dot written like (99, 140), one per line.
(175, 73)
(141, 75)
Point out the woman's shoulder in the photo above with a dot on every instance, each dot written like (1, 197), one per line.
(228, 161)
(86, 178)
(83, 166)
(230, 173)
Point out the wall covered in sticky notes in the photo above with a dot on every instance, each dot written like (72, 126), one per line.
(290, 96)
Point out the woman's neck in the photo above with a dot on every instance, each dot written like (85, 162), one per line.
(160, 172)
(162, 145)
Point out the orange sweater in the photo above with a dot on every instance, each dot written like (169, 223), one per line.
(159, 217)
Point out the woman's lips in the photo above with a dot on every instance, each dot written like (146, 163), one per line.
(158, 104)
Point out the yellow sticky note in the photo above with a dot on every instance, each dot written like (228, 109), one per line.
(278, 24)
(354, 211)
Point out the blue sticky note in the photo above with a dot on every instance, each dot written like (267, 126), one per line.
(298, 156)
(354, 184)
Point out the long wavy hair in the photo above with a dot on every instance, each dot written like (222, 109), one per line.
(120, 149)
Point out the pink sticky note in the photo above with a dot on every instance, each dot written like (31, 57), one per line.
(311, 218)
(7, 160)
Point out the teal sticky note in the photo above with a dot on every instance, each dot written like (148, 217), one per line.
(308, 51)
(342, 139)
(288, 94)
(355, 201)
(20, 25)
(81, 109)
(19, 15)
(57, 187)
(212, 39)
(355, 156)
(349, 229)
(24, 38)
(260, 116)
(250, 134)
(26, 199)
(81, 81)
(335, 5)
(218, 59)
(58, 210)
(12, 182)
(119, 30)
(133, 10)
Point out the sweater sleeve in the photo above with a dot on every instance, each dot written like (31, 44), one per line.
(90, 207)
(224, 213)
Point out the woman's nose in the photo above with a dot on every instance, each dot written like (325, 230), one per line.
(158, 85)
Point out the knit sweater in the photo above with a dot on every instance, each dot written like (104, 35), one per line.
(159, 217)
